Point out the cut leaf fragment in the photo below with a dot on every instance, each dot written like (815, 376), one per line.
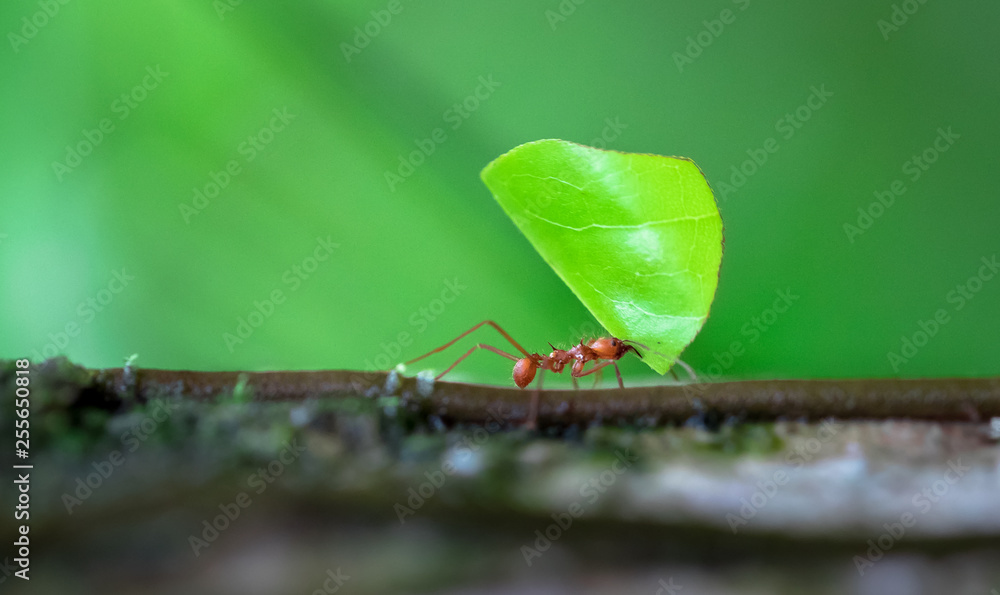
(638, 238)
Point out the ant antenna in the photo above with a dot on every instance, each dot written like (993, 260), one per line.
(637, 344)
(677, 361)
(687, 368)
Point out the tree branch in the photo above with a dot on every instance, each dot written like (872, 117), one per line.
(951, 399)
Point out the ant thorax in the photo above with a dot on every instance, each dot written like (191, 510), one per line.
(557, 360)
(584, 352)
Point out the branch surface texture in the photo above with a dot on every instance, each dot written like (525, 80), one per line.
(951, 399)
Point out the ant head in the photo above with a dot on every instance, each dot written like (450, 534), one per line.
(524, 371)
(632, 347)
(611, 348)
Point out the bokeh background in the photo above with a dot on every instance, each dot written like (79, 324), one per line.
(364, 84)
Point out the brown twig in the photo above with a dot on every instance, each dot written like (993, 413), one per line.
(952, 399)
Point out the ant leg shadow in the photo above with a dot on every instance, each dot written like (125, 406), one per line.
(598, 377)
(597, 370)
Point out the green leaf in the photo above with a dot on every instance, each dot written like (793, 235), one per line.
(638, 238)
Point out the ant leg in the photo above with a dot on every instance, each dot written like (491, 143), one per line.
(532, 421)
(603, 365)
(600, 366)
(677, 361)
(618, 373)
(469, 352)
(453, 341)
(687, 368)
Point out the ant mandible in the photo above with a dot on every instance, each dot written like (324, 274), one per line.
(606, 349)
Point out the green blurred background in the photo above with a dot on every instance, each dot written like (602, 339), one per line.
(596, 72)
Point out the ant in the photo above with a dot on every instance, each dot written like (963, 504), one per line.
(607, 350)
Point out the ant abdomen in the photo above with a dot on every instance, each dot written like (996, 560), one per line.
(524, 371)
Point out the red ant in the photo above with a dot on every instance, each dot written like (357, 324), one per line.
(608, 349)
